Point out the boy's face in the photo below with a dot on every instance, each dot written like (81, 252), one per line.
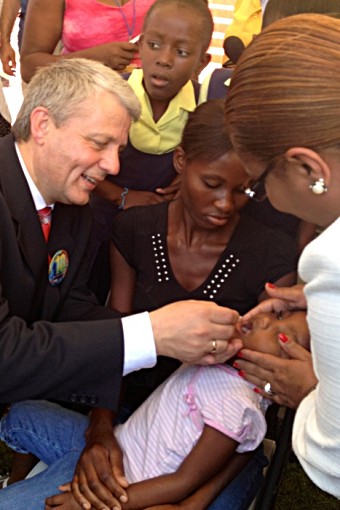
(261, 332)
(171, 50)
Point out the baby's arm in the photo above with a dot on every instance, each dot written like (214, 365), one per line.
(213, 451)
(208, 492)
(209, 467)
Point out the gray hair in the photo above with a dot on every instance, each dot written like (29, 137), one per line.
(63, 86)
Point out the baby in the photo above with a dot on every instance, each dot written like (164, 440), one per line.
(198, 413)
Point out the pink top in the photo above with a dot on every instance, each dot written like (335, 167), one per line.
(89, 23)
(164, 429)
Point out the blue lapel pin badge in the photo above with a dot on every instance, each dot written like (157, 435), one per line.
(58, 267)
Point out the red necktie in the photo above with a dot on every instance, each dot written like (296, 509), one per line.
(45, 217)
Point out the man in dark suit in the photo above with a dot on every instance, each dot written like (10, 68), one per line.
(55, 341)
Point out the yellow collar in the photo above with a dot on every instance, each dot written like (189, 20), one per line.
(163, 136)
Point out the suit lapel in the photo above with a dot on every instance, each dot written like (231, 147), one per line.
(19, 200)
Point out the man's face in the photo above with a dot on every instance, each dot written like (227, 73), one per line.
(71, 160)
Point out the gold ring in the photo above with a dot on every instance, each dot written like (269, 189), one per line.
(214, 347)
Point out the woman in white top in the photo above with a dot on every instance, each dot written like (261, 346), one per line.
(283, 111)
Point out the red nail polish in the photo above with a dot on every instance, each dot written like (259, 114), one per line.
(271, 285)
(241, 373)
(236, 365)
(240, 354)
(283, 338)
(257, 390)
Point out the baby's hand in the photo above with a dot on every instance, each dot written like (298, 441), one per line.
(64, 501)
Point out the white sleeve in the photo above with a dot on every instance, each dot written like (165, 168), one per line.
(316, 432)
(139, 343)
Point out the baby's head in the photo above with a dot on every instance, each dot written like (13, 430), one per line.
(176, 35)
(261, 332)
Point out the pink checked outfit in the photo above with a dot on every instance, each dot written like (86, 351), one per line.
(163, 430)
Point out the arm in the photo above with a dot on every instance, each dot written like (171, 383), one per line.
(232, 465)
(112, 192)
(10, 9)
(208, 492)
(43, 30)
(99, 474)
(212, 451)
(123, 278)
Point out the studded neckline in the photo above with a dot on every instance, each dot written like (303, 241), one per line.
(222, 270)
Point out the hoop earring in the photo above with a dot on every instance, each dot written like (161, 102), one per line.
(319, 187)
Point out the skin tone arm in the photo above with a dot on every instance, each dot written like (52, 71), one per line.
(43, 29)
(202, 498)
(212, 451)
(112, 192)
(10, 9)
(123, 280)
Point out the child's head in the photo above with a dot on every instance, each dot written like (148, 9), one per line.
(176, 35)
(261, 332)
(212, 176)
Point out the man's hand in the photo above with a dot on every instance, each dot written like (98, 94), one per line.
(195, 332)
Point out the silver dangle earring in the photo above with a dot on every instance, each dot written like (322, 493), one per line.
(319, 187)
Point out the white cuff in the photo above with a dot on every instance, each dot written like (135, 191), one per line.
(139, 343)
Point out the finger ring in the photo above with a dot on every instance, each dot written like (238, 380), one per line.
(268, 389)
(214, 347)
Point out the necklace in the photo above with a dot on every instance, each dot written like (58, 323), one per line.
(129, 28)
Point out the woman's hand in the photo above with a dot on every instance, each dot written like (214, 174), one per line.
(8, 59)
(99, 475)
(116, 55)
(290, 379)
(283, 299)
